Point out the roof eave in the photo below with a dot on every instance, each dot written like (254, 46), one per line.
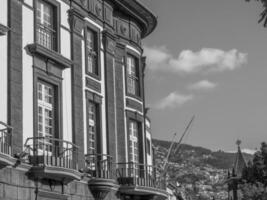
(141, 13)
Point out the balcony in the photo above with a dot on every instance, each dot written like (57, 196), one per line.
(52, 158)
(46, 47)
(46, 36)
(5, 145)
(141, 180)
(100, 168)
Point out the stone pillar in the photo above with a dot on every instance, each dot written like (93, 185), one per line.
(77, 26)
(15, 106)
(109, 56)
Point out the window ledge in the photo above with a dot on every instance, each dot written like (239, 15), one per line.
(37, 49)
(3, 30)
(139, 98)
(95, 76)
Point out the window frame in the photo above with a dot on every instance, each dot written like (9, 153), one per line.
(56, 20)
(56, 83)
(97, 101)
(139, 89)
(139, 119)
(96, 35)
(148, 146)
(131, 142)
(53, 103)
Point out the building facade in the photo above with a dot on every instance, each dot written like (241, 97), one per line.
(72, 104)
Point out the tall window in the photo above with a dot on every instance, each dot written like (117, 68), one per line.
(133, 143)
(92, 127)
(45, 25)
(46, 98)
(132, 76)
(91, 51)
(148, 144)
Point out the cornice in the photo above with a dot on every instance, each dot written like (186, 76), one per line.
(141, 13)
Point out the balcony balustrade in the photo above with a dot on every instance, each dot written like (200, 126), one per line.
(99, 165)
(140, 174)
(53, 158)
(5, 145)
(46, 37)
(140, 179)
(100, 168)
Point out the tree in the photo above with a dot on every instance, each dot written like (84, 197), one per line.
(254, 191)
(254, 177)
(256, 171)
(263, 14)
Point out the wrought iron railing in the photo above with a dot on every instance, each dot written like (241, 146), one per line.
(99, 165)
(5, 139)
(141, 175)
(46, 151)
(46, 37)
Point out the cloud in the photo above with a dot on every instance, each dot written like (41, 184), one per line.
(202, 85)
(156, 56)
(205, 60)
(173, 100)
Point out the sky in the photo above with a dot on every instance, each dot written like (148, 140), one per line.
(207, 58)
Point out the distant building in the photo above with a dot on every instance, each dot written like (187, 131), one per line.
(236, 174)
(72, 107)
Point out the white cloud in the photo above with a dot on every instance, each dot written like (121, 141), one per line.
(173, 100)
(202, 85)
(156, 56)
(207, 59)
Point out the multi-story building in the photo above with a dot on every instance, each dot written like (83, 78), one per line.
(72, 106)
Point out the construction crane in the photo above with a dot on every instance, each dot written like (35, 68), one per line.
(164, 168)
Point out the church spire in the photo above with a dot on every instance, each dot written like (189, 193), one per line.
(240, 162)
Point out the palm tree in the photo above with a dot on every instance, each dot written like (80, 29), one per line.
(263, 14)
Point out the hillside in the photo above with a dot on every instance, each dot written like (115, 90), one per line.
(199, 171)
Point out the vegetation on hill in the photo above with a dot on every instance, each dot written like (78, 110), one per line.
(254, 179)
(200, 172)
(218, 159)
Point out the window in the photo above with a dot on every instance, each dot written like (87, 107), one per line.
(133, 143)
(92, 127)
(46, 114)
(148, 146)
(92, 52)
(45, 110)
(46, 32)
(132, 76)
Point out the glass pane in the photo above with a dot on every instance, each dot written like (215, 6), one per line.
(45, 30)
(92, 126)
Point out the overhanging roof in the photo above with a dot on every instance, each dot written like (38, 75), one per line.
(141, 13)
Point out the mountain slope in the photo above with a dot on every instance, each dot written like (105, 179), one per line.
(200, 172)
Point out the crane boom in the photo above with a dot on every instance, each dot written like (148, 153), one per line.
(169, 151)
(178, 145)
(185, 131)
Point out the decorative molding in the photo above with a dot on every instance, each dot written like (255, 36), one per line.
(76, 21)
(93, 97)
(98, 10)
(133, 104)
(37, 49)
(134, 115)
(84, 3)
(146, 19)
(101, 187)
(65, 175)
(123, 29)
(90, 83)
